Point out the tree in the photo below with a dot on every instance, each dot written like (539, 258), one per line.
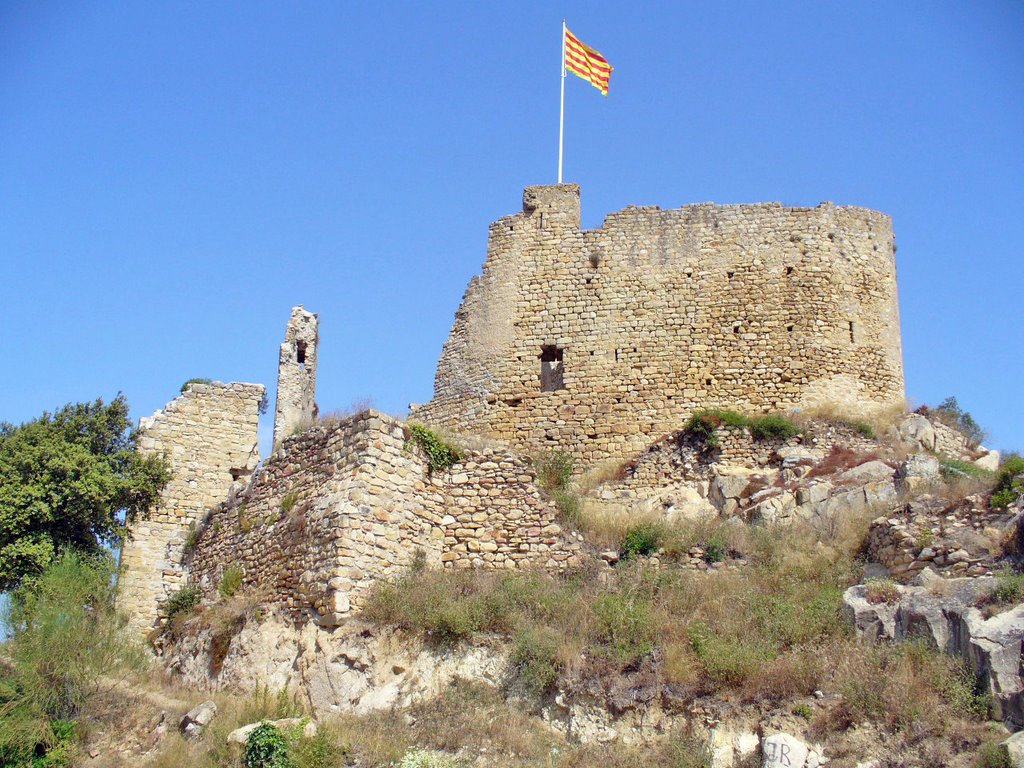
(71, 479)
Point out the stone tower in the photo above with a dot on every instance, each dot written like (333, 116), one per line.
(296, 375)
(596, 342)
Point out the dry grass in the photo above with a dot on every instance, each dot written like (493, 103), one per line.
(882, 420)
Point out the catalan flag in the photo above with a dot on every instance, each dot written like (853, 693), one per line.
(584, 61)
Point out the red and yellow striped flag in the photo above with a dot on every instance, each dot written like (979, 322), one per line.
(584, 61)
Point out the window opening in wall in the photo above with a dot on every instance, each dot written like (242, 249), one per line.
(617, 351)
(552, 369)
(789, 270)
(789, 328)
(851, 332)
(736, 328)
(730, 274)
(300, 353)
(542, 221)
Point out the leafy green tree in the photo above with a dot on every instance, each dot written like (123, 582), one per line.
(70, 479)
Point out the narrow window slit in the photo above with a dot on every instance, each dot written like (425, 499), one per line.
(552, 369)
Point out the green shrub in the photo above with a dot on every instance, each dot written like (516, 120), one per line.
(642, 539)
(440, 454)
(727, 661)
(191, 539)
(67, 641)
(183, 602)
(554, 470)
(863, 429)
(1009, 483)
(705, 424)
(803, 710)
(195, 381)
(568, 503)
(1009, 588)
(288, 502)
(625, 626)
(266, 747)
(952, 469)
(534, 660)
(993, 755)
(714, 550)
(773, 427)
(230, 581)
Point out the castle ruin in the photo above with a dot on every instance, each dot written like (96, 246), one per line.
(592, 342)
(595, 342)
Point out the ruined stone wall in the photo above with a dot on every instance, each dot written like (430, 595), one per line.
(209, 435)
(296, 375)
(633, 326)
(344, 504)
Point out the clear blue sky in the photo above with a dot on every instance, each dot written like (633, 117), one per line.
(175, 176)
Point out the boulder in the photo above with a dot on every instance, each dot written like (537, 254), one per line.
(869, 472)
(196, 719)
(874, 621)
(792, 455)
(918, 471)
(989, 460)
(775, 509)
(727, 487)
(1013, 750)
(917, 432)
(781, 750)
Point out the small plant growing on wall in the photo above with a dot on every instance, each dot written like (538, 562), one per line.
(440, 454)
(289, 501)
(230, 581)
(190, 382)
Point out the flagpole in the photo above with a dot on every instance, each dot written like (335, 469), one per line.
(561, 114)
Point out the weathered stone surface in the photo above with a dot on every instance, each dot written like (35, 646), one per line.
(296, 375)
(196, 719)
(917, 431)
(594, 342)
(1013, 749)
(944, 614)
(209, 433)
(988, 460)
(918, 471)
(781, 750)
(352, 501)
(870, 472)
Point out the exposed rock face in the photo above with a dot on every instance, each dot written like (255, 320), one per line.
(352, 668)
(784, 751)
(917, 432)
(944, 614)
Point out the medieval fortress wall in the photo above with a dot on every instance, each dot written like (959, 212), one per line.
(594, 342)
(209, 435)
(345, 504)
(597, 342)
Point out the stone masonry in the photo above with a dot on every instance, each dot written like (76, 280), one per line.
(598, 342)
(348, 502)
(296, 375)
(209, 435)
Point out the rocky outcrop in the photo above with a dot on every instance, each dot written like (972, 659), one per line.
(356, 667)
(944, 614)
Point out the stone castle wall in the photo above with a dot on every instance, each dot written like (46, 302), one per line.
(597, 342)
(209, 435)
(342, 505)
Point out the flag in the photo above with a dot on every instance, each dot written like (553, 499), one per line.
(584, 61)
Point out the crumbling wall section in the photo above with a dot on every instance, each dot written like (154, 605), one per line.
(296, 375)
(209, 434)
(661, 312)
(347, 503)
